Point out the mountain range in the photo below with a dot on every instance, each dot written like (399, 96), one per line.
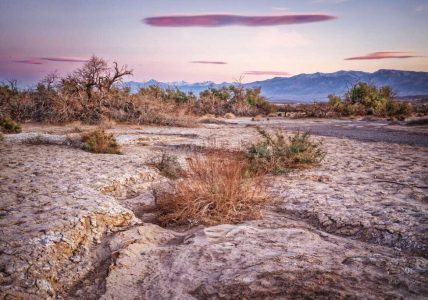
(313, 87)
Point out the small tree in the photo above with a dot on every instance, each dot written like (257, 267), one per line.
(96, 75)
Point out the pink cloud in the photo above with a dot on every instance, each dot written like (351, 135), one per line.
(29, 61)
(383, 55)
(208, 62)
(276, 73)
(217, 20)
(65, 59)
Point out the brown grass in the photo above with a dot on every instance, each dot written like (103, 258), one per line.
(218, 189)
(98, 141)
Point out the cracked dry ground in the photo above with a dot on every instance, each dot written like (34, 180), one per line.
(76, 225)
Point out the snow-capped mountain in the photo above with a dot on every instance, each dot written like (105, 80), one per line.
(314, 87)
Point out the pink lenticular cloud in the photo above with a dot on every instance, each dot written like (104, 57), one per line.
(29, 61)
(383, 55)
(217, 20)
(65, 59)
(208, 62)
(276, 73)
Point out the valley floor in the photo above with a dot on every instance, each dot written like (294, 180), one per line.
(76, 225)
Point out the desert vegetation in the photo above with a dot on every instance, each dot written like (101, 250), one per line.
(362, 99)
(168, 166)
(98, 141)
(366, 99)
(277, 154)
(217, 189)
(8, 125)
(95, 92)
(227, 186)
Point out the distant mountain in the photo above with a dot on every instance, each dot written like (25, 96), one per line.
(314, 87)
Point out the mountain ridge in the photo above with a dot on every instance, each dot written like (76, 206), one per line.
(313, 86)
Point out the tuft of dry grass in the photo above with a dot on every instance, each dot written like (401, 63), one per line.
(218, 189)
(98, 141)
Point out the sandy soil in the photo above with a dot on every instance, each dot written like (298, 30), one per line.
(76, 225)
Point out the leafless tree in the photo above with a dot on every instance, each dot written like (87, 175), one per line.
(96, 74)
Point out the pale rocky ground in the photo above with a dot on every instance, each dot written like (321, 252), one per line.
(76, 225)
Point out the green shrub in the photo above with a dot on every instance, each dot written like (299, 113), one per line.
(277, 154)
(366, 99)
(10, 126)
(398, 110)
(98, 141)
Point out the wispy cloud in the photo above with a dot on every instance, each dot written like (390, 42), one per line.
(276, 73)
(217, 20)
(65, 59)
(42, 60)
(383, 55)
(208, 62)
(29, 61)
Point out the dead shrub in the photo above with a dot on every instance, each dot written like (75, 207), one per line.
(168, 166)
(276, 154)
(218, 189)
(98, 141)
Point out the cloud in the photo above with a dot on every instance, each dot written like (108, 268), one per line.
(29, 61)
(276, 73)
(217, 20)
(42, 60)
(208, 62)
(65, 59)
(383, 55)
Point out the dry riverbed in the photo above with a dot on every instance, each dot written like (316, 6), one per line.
(76, 225)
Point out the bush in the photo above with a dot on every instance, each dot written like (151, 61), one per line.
(10, 126)
(366, 99)
(218, 189)
(277, 154)
(168, 166)
(398, 110)
(98, 141)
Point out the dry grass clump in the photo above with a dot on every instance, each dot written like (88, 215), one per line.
(168, 166)
(8, 125)
(218, 189)
(276, 154)
(98, 141)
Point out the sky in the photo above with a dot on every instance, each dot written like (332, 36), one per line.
(215, 40)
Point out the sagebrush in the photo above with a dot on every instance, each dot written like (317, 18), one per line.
(98, 141)
(218, 188)
(277, 154)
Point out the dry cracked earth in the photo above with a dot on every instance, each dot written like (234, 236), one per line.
(76, 225)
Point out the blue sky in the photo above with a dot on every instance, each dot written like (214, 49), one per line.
(38, 37)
